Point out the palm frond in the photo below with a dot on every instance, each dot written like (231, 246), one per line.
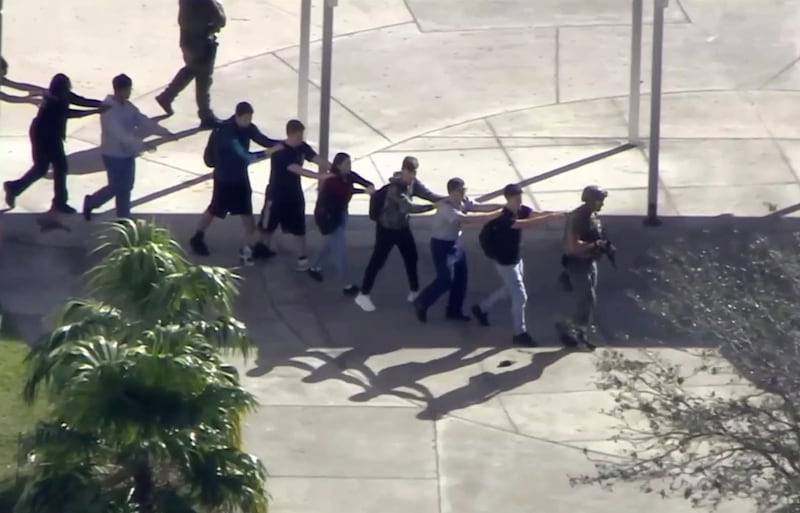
(224, 478)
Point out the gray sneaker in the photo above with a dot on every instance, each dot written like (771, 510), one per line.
(246, 256)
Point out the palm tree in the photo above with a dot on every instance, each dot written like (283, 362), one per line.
(145, 411)
(144, 281)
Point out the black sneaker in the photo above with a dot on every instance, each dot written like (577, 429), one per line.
(481, 316)
(458, 317)
(350, 290)
(584, 339)
(87, 211)
(422, 314)
(165, 105)
(315, 274)
(11, 198)
(262, 252)
(565, 335)
(523, 339)
(198, 245)
(64, 209)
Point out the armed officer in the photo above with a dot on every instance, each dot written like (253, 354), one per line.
(584, 242)
(199, 22)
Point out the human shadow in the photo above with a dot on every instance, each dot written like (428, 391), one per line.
(486, 385)
(408, 375)
(90, 161)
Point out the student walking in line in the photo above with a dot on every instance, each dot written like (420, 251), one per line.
(232, 192)
(122, 128)
(330, 214)
(449, 258)
(287, 207)
(501, 240)
(392, 228)
(47, 132)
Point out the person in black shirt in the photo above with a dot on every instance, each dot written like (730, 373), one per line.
(47, 133)
(505, 239)
(232, 193)
(286, 201)
(330, 214)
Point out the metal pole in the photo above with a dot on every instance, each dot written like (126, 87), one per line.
(325, 81)
(305, 61)
(636, 73)
(655, 113)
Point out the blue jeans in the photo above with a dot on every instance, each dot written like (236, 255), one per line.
(450, 262)
(121, 172)
(513, 277)
(334, 250)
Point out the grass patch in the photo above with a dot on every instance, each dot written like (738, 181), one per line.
(15, 415)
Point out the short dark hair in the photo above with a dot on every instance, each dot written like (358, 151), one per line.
(121, 81)
(243, 108)
(3, 64)
(511, 190)
(410, 164)
(294, 126)
(454, 184)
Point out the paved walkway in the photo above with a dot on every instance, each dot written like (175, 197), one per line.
(373, 413)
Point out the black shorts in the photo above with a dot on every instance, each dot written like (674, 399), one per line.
(289, 214)
(232, 198)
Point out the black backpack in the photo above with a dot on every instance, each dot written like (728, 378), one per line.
(487, 237)
(376, 202)
(211, 152)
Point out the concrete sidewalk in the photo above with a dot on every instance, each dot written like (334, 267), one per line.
(368, 413)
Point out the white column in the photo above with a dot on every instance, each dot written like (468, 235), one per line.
(305, 59)
(636, 73)
(655, 113)
(325, 81)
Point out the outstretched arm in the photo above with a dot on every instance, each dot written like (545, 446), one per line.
(300, 170)
(76, 114)
(535, 219)
(423, 192)
(258, 137)
(80, 101)
(31, 89)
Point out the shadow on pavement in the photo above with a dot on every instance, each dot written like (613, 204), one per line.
(302, 324)
(90, 161)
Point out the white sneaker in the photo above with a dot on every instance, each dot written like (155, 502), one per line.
(412, 296)
(246, 256)
(365, 303)
(302, 265)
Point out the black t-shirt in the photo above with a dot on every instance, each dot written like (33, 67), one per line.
(281, 180)
(507, 240)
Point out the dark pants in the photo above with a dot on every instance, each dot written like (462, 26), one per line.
(46, 152)
(450, 262)
(199, 55)
(583, 275)
(385, 240)
(121, 172)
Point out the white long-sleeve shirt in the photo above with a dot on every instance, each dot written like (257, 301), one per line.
(123, 128)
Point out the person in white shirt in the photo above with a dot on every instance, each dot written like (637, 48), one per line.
(123, 129)
(449, 258)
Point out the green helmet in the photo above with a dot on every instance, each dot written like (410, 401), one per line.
(593, 192)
